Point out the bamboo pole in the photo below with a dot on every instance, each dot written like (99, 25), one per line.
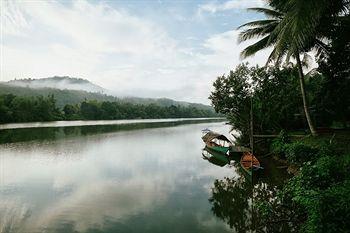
(251, 136)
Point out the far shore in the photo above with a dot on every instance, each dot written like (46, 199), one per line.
(98, 122)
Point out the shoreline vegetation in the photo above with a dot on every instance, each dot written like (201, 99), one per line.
(96, 123)
(285, 101)
(20, 109)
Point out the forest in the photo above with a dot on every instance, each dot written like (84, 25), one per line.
(39, 108)
(69, 96)
(307, 106)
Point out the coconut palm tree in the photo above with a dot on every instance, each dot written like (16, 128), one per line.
(274, 34)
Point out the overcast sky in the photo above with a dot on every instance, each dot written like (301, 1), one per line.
(173, 49)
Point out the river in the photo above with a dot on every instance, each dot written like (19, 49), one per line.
(145, 177)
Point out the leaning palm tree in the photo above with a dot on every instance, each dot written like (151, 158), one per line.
(274, 34)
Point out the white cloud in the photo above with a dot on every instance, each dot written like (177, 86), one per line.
(13, 19)
(213, 7)
(226, 50)
(127, 54)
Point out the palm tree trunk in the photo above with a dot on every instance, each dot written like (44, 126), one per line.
(303, 93)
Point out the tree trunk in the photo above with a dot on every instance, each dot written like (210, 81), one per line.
(305, 102)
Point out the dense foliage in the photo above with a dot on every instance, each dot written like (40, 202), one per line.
(28, 109)
(319, 194)
(19, 109)
(62, 97)
(273, 93)
(67, 96)
(315, 199)
(285, 99)
(275, 100)
(295, 27)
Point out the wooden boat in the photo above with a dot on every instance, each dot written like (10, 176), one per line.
(249, 163)
(217, 142)
(214, 157)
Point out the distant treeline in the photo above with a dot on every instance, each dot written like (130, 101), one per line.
(68, 96)
(29, 109)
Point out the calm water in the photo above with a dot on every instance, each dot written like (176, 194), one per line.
(138, 178)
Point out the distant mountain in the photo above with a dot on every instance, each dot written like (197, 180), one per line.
(62, 97)
(65, 96)
(58, 82)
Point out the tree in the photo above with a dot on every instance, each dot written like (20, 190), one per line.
(71, 112)
(276, 104)
(274, 34)
(231, 96)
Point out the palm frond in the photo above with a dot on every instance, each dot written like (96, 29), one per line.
(254, 48)
(255, 32)
(267, 11)
(280, 56)
(271, 57)
(282, 38)
(321, 48)
(258, 23)
(293, 27)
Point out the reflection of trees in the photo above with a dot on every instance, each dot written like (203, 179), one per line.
(28, 134)
(232, 202)
(270, 214)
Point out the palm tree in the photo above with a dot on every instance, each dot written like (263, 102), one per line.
(274, 33)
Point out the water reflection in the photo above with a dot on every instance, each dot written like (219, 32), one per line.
(230, 197)
(145, 180)
(236, 200)
(215, 158)
(53, 133)
(231, 202)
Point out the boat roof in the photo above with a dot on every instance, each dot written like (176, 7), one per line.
(212, 135)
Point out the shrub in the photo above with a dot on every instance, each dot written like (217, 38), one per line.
(298, 153)
(322, 190)
(279, 144)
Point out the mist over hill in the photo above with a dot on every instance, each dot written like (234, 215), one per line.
(68, 90)
(58, 82)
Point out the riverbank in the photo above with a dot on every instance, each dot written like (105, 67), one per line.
(320, 183)
(99, 122)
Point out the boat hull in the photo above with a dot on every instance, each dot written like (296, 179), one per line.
(249, 163)
(219, 149)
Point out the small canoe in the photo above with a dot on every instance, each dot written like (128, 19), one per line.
(249, 163)
(216, 142)
(217, 148)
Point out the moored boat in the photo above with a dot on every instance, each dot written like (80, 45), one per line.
(249, 163)
(217, 142)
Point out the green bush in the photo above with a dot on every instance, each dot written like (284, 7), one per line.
(279, 144)
(298, 153)
(322, 191)
(325, 172)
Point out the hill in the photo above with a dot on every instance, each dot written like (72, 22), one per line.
(58, 82)
(66, 96)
